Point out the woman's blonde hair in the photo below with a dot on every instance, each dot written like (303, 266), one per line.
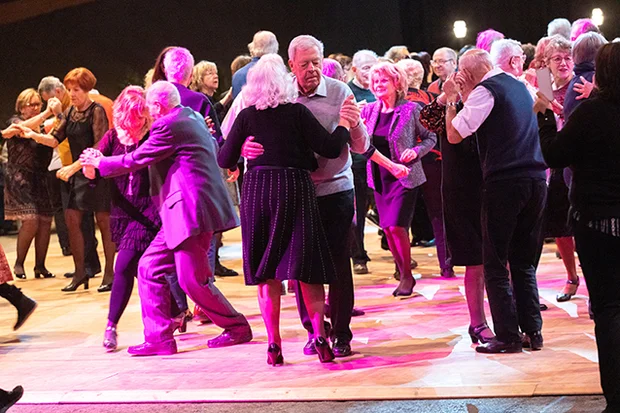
(24, 98)
(131, 115)
(395, 73)
(269, 84)
(200, 70)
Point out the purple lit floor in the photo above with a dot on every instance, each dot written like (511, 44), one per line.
(404, 348)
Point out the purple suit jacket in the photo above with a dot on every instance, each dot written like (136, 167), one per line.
(186, 183)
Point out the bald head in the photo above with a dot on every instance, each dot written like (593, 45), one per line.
(477, 62)
(264, 42)
(161, 98)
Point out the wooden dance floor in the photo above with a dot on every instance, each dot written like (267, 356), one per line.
(403, 348)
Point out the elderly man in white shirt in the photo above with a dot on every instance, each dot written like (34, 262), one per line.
(498, 113)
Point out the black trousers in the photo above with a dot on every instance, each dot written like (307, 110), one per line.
(512, 216)
(336, 212)
(358, 251)
(431, 193)
(599, 255)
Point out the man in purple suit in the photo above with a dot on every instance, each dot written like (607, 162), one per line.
(193, 204)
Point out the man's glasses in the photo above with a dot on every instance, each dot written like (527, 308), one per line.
(441, 62)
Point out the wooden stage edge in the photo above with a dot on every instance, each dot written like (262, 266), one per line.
(299, 395)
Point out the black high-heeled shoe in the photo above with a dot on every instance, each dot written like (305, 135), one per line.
(323, 350)
(274, 355)
(404, 293)
(562, 297)
(74, 285)
(475, 333)
(44, 273)
(104, 288)
(110, 339)
(21, 275)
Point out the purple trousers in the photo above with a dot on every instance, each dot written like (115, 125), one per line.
(189, 260)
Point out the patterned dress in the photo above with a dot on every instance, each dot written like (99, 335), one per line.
(26, 192)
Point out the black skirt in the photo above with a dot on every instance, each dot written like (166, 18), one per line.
(556, 222)
(282, 235)
(83, 194)
(395, 203)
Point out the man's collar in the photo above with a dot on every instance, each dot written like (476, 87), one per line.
(493, 72)
(321, 89)
(358, 84)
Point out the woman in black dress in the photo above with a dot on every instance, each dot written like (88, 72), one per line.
(461, 193)
(84, 123)
(27, 196)
(396, 170)
(589, 144)
(282, 234)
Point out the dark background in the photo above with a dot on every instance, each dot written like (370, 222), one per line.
(119, 39)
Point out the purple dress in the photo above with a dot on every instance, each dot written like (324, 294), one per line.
(134, 219)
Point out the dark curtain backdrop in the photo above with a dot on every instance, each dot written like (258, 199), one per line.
(119, 39)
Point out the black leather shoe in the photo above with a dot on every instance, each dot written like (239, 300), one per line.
(309, 349)
(222, 271)
(497, 347)
(448, 273)
(230, 338)
(341, 347)
(42, 273)
(533, 341)
(323, 350)
(8, 399)
(66, 251)
(165, 348)
(360, 268)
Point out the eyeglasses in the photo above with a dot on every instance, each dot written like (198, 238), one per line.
(441, 62)
(33, 105)
(558, 59)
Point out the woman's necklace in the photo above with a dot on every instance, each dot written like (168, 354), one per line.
(130, 187)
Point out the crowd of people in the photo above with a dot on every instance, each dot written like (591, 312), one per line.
(499, 165)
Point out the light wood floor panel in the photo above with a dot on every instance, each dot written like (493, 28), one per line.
(409, 348)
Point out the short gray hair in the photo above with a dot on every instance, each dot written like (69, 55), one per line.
(49, 83)
(396, 53)
(269, 84)
(304, 42)
(448, 50)
(586, 47)
(559, 26)
(165, 93)
(178, 64)
(264, 42)
(503, 50)
(362, 55)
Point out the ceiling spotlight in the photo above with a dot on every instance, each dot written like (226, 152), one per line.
(597, 16)
(460, 29)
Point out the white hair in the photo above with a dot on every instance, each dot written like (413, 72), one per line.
(178, 65)
(447, 50)
(587, 46)
(362, 56)
(49, 83)
(414, 70)
(304, 42)
(269, 84)
(559, 26)
(503, 50)
(164, 93)
(264, 42)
